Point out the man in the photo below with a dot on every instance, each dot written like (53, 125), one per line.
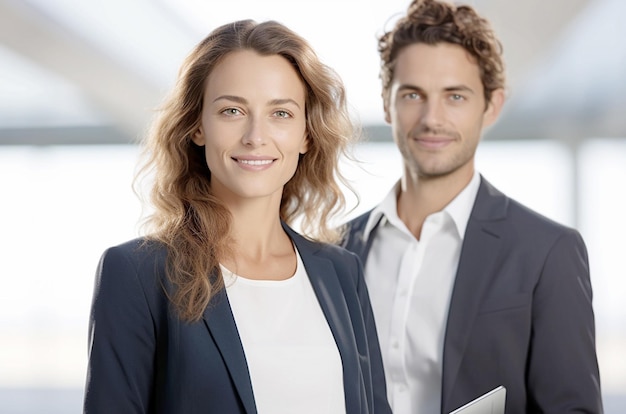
(470, 289)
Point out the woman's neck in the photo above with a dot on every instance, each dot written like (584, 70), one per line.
(261, 247)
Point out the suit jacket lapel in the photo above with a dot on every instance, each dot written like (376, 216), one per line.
(481, 247)
(221, 323)
(329, 293)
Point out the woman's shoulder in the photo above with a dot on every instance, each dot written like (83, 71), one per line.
(132, 275)
(138, 248)
(139, 254)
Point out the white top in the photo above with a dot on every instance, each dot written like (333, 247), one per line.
(292, 357)
(410, 284)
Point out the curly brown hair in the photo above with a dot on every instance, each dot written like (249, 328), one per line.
(432, 22)
(187, 217)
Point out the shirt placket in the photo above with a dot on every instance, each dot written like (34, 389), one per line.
(409, 269)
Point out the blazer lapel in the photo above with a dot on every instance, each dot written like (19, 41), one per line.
(329, 293)
(221, 323)
(481, 247)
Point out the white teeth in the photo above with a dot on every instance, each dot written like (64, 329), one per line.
(255, 162)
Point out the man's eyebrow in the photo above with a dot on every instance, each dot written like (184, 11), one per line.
(451, 88)
(459, 88)
(409, 86)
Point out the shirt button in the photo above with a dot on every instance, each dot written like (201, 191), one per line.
(395, 344)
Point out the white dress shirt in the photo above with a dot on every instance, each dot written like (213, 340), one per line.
(410, 283)
(292, 356)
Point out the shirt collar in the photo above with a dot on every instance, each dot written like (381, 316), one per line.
(386, 210)
(459, 208)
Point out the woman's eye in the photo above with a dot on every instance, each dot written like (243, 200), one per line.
(231, 111)
(282, 114)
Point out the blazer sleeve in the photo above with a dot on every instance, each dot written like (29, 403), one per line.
(121, 339)
(380, 403)
(563, 375)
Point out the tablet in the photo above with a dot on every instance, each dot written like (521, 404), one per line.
(489, 403)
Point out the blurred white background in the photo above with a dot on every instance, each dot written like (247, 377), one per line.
(77, 84)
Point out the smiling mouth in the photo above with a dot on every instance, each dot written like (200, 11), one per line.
(254, 162)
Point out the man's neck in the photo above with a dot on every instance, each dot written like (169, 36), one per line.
(419, 197)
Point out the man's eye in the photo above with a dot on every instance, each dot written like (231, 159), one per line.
(457, 97)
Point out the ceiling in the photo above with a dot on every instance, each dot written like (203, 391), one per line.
(76, 72)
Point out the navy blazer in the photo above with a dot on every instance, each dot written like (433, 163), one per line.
(520, 313)
(144, 359)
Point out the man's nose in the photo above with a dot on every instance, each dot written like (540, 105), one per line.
(433, 113)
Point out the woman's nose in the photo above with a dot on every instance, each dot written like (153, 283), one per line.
(254, 134)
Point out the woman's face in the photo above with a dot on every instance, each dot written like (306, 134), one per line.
(253, 125)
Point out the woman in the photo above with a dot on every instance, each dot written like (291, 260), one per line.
(224, 308)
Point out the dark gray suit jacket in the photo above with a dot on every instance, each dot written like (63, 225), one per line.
(143, 359)
(520, 314)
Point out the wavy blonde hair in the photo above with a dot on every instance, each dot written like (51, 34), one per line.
(187, 217)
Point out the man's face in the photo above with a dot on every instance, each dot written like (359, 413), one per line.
(437, 110)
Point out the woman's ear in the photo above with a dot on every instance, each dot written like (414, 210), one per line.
(198, 137)
(304, 147)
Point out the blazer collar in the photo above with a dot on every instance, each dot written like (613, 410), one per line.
(480, 249)
(490, 205)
